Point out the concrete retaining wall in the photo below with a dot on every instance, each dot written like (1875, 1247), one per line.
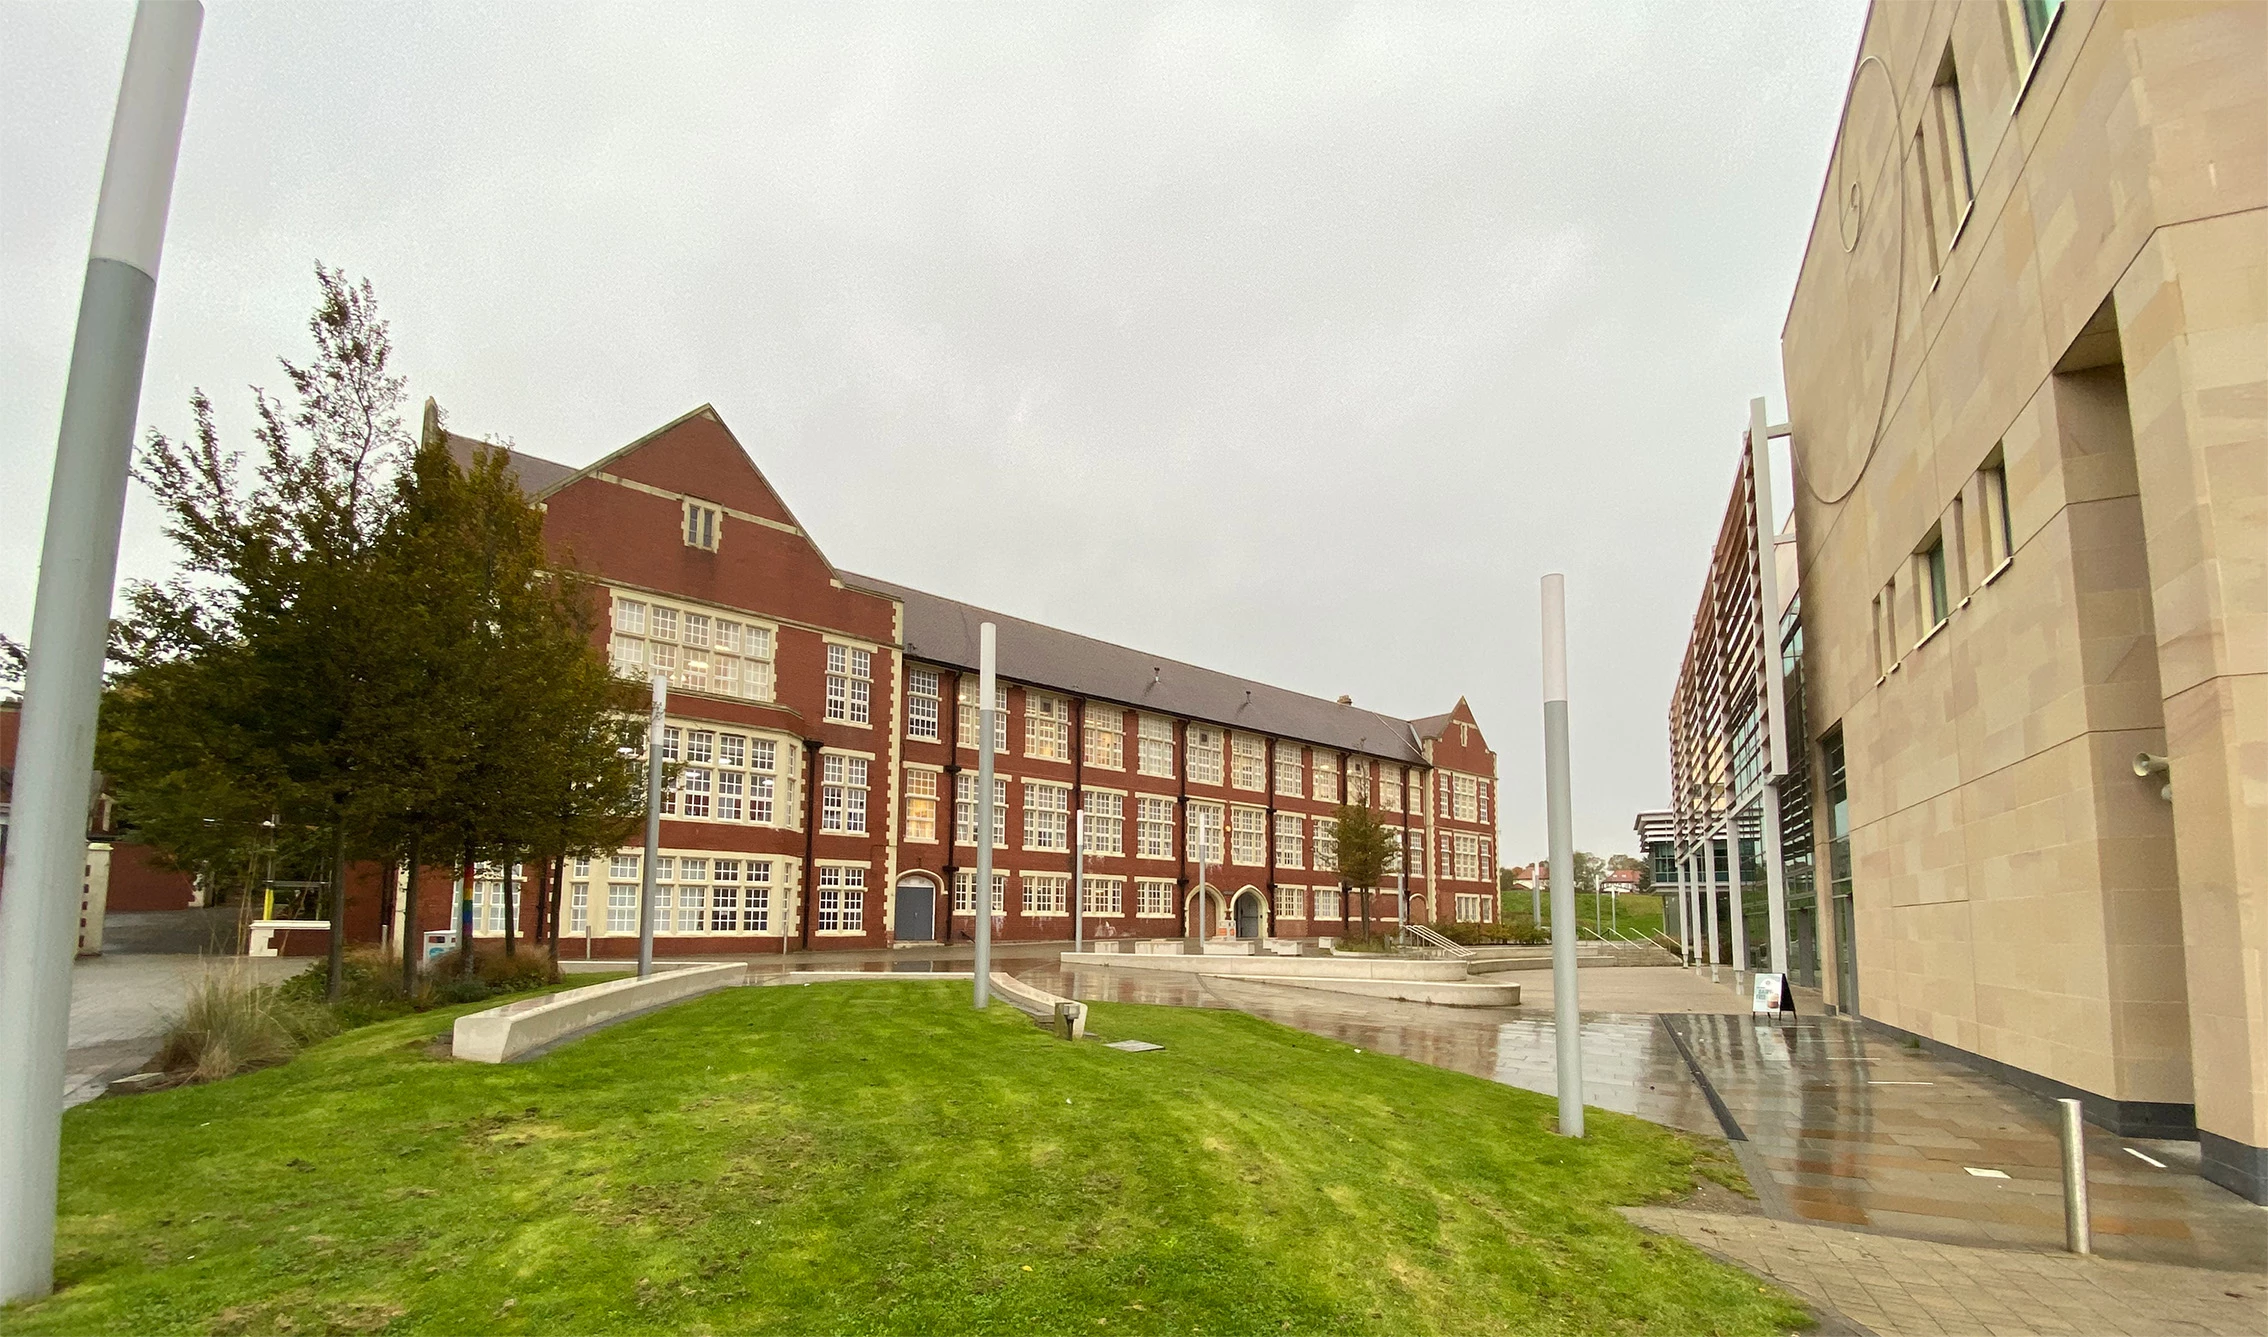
(1038, 1002)
(1438, 992)
(502, 1034)
(1314, 967)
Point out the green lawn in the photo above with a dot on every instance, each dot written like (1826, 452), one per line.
(855, 1157)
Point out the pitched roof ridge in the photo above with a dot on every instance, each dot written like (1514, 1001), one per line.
(1161, 661)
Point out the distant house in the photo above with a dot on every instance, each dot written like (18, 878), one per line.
(1621, 882)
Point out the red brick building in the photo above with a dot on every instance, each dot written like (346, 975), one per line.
(826, 727)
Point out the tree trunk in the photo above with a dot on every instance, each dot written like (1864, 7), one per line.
(338, 909)
(511, 911)
(542, 886)
(558, 901)
(413, 946)
(464, 917)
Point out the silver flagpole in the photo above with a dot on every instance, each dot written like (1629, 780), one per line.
(1567, 1015)
(986, 657)
(78, 563)
(653, 825)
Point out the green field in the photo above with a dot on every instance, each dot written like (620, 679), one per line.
(873, 1157)
(1637, 915)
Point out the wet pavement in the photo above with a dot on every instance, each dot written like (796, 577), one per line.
(1837, 1127)
(1856, 1130)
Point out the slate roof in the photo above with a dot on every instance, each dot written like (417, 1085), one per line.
(944, 631)
(535, 475)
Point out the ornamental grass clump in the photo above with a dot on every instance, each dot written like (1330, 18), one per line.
(230, 1024)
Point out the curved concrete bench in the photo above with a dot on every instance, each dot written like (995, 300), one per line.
(502, 1034)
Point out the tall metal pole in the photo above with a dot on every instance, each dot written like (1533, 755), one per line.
(1709, 887)
(1685, 907)
(78, 562)
(1736, 899)
(1775, 687)
(1079, 885)
(986, 659)
(1567, 1015)
(653, 826)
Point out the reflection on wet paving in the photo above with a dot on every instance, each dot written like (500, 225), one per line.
(1630, 1065)
(1861, 1131)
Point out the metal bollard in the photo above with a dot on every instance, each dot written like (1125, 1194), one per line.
(2077, 1236)
(1065, 1013)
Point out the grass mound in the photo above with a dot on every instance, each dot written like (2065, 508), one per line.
(872, 1157)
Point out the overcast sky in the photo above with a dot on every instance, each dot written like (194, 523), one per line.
(1297, 342)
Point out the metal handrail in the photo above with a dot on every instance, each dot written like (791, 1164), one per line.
(1436, 941)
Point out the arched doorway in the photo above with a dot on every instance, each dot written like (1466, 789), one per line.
(914, 916)
(1248, 913)
(1202, 913)
(1415, 914)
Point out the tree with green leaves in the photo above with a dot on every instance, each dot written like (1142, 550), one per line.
(365, 638)
(270, 628)
(1589, 868)
(1369, 850)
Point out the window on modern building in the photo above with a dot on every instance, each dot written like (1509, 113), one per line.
(1104, 728)
(965, 810)
(1326, 845)
(842, 899)
(2028, 24)
(1248, 836)
(1047, 816)
(1323, 777)
(964, 892)
(922, 702)
(1153, 827)
(1106, 822)
(2000, 542)
(965, 715)
(1047, 727)
(1291, 841)
(1046, 893)
(842, 794)
(1154, 746)
(1288, 902)
(850, 683)
(1941, 158)
(1291, 773)
(1358, 781)
(1248, 763)
(1204, 755)
(921, 805)
(1933, 564)
(1204, 833)
(1153, 898)
(1102, 895)
(700, 526)
(1326, 904)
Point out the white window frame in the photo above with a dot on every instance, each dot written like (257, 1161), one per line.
(850, 684)
(1153, 746)
(1106, 822)
(924, 705)
(1047, 816)
(1104, 736)
(1291, 840)
(839, 906)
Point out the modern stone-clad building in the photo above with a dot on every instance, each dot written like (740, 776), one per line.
(2027, 371)
(826, 727)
